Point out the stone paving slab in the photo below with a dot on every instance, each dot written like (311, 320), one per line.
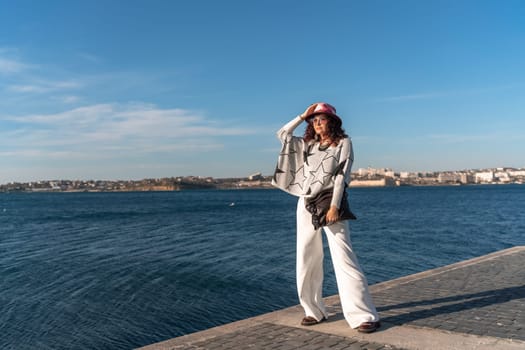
(475, 304)
(274, 336)
(485, 298)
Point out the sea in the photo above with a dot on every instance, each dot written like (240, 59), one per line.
(124, 270)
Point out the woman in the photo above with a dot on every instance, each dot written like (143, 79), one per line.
(321, 160)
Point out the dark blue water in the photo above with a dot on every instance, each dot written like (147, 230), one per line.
(121, 270)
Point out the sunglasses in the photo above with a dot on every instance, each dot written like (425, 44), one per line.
(318, 119)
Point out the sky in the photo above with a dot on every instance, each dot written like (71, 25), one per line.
(156, 88)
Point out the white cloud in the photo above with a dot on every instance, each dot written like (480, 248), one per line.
(26, 88)
(36, 153)
(23, 80)
(111, 130)
(459, 92)
(42, 86)
(69, 99)
(10, 66)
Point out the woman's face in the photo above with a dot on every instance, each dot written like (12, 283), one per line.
(320, 124)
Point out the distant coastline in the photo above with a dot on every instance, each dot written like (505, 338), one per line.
(369, 177)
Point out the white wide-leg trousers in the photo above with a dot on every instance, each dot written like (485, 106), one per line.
(352, 285)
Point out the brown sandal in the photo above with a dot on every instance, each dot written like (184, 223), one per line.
(310, 321)
(368, 327)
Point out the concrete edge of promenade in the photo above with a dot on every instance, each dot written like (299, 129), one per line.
(390, 335)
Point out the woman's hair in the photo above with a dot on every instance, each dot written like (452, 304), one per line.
(335, 131)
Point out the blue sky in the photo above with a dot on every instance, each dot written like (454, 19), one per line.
(145, 89)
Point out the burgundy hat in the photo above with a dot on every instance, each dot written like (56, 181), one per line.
(324, 108)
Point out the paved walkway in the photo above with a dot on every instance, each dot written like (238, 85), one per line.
(474, 304)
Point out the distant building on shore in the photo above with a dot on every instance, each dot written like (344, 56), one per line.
(386, 181)
(484, 177)
(256, 176)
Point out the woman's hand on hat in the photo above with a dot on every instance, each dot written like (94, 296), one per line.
(308, 111)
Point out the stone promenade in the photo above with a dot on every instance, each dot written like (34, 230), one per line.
(474, 304)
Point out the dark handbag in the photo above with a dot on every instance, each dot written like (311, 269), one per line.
(318, 206)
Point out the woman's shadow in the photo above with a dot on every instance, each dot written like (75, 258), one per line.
(453, 304)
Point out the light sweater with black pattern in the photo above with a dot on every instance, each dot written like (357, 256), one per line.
(304, 169)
